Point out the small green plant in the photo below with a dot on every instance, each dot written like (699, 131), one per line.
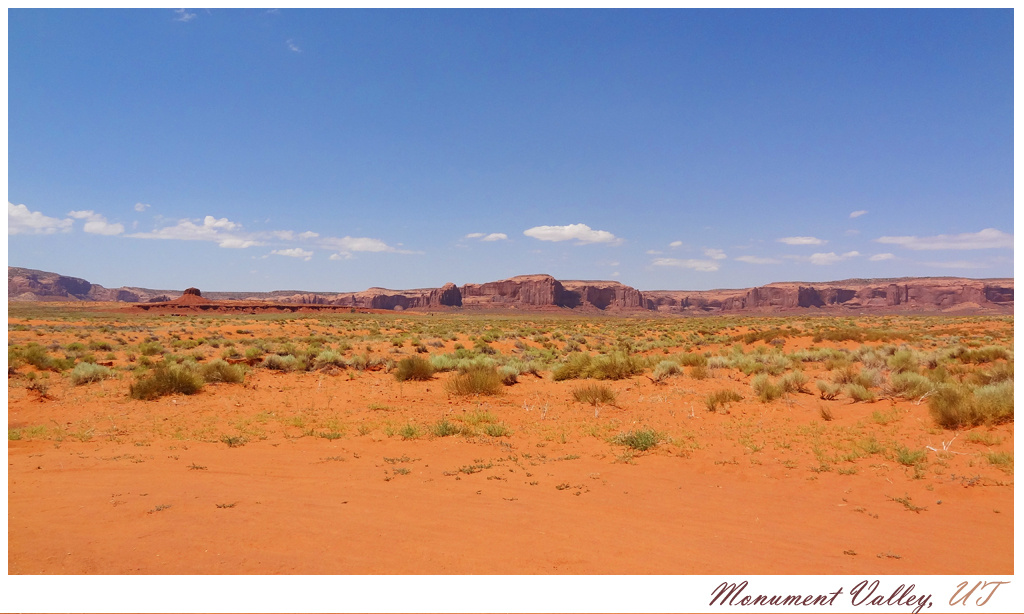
(219, 371)
(908, 457)
(665, 369)
(643, 439)
(765, 389)
(236, 441)
(827, 391)
(594, 394)
(496, 430)
(287, 362)
(859, 393)
(410, 431)
(444, 428)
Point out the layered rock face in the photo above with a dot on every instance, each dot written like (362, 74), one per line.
(922, 294)
(546, 292)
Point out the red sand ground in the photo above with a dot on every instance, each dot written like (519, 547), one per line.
(118, 486)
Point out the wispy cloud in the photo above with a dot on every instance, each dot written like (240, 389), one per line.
(221, 231)
(581, 233)
(97, 224)
(140, 207)
(183, 15)
(757, 260)
(706, 266)
(293, 47)
(989, 238)
(831, 258)
(802, 241)
(22, 221)
(857, 214)
(715, 254)
(494, 236)
(881, 257)
(676, 244)
(295, 252)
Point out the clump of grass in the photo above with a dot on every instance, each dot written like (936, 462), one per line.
(721, 398)
(329, 358)
(909, 385)
(612, 366)
(594, 394)
(85, 372)
(219, 371)
(165, 380)
(826, 413)
(699, 372)
(643, 439)
(765, 389)
(414, 368)
(1003, 460)
(903, 361)
(478, 379)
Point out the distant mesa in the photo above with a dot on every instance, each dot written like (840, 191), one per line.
(545, 293)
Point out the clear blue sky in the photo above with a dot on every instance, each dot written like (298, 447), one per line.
(337, 150)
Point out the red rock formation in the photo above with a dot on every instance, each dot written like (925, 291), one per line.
(520, 291)
(603, 295)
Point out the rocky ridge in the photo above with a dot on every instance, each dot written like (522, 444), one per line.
(544, 292)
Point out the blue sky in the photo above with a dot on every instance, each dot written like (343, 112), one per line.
(337, 150)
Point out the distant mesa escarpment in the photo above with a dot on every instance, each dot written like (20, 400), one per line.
(545, 293)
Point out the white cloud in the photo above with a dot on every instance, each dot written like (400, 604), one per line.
(714, 254)
(292, 46)
(676, 244)
(211, 229)
(357, 244)
(989, 238)
(22, 221)
(97, 224)
(494, 236)
(831, 258)
(957, 264)
(579, 232)
(705, 266)
(184, 15)
(294, 252)
(857, 214)
(802, 241)
(140, 207)
(654, 252)
(881, 257)
(756, 260)
(309, 234)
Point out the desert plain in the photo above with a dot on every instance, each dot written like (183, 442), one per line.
(362, 442)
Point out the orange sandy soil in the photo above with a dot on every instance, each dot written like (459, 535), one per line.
(119, 486)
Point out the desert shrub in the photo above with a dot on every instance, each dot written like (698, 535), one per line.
(859, 393)
(827, 390)
(359, 362)
(165, 380)
(1000, 372)
(985, 354)
(409, 431)
(868, 378)
(699, 372)
(594, 394)
(909, 385)
(219, 371)
(955, 406)
(86, 372)
(150, 348)
(509, 375)
(765, 389)
(443, 362)
(254, 353)
(903, 361)
(794, 382)
(37, 356)
(691, 359)
(329, 358)
(666, 368)
(612, 366)
(721, 398)
(641, 440)
(478, 380)
(281, 363)
(414, 367)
